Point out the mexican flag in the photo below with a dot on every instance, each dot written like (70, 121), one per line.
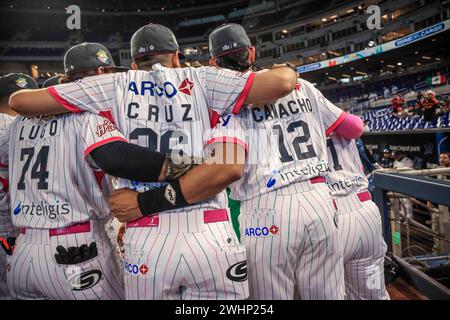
(436, 80)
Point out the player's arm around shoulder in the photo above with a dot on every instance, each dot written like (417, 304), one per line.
(269, 85)
(29, 102)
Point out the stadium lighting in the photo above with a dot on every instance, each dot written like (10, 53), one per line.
(426, 57)
(361, 73)
(324, 19)
(284, 31)
(437, 59)
(384, 16)
(416, 52)
(350, 10)
(332, 78)
(138, 10)
(346, 75)
(418, 63)
(11, 6)
(334, 17)
(399, 63)
(371, 43)
(391, 66)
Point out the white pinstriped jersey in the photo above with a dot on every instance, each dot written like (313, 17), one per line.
(347, 174)
(167, 110)
(286, 140)
(52, 185)
(6, 226)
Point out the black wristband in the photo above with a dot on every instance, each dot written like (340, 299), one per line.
(167, 197)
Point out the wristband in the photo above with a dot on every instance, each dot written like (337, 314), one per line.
(164, 198)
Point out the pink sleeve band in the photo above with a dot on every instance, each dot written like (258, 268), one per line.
(244, 93)
(63, 102)
(229, 140)
(335, 124)
(351, 127)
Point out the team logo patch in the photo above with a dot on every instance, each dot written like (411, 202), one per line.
(102, 55)
(238, 272)
(261, 231)
(143, 269)
(85, 280)
(8, 267)
(272, 181)
(186, 86)
(22, 82)
(297, 87)
(170, 194)
(106, 126)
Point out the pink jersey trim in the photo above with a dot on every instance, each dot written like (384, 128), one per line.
(364, 196)
(63, 102)
(209, 216)
(244, 93)
(336, 123)
(101, 143)
(228, 140)
(215, 117)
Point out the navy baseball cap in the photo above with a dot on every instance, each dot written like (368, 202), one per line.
(228, 38)
(153, 39)
(53, 81)
(16, 81)
(86, 56)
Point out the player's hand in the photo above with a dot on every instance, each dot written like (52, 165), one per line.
(124, 205)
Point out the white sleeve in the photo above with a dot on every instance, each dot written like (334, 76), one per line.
(226, 90)
(93, 94)
(96, 131)
(331, 115)
(229, 129)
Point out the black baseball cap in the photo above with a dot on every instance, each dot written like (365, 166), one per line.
(16, 81)
(228, 38)
(153, 39)
(53, 81)
(86, 56)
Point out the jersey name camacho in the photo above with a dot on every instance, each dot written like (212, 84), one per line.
(285, 140)
(166, 110)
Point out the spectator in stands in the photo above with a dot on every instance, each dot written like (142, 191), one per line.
(444, 159)
(444, 107)
(402, 161)
(386, 160)
(398, 103)
(430, 104)
(386, 93)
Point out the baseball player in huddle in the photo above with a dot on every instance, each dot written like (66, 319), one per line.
(359, 222)
(59, 202)
(8, 84)
(188, 253)
(286, 215)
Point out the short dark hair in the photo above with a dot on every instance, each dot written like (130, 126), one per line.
(238, 60)
(77, 75)
(147, 62)
(445, 152)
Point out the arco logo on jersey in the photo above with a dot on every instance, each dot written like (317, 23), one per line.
(261, 231)
(166, 89)
(134, 269)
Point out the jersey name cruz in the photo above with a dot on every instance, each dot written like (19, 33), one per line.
(165, 114)
(280, 110)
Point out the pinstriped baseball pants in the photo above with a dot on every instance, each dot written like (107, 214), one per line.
(364, 248)
(299, 254)
(183, 258)
(35, 274)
